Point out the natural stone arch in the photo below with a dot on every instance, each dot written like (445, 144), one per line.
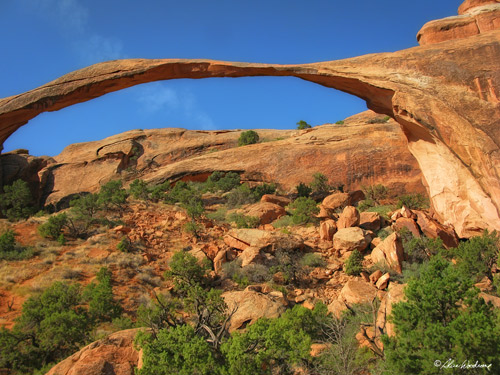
(444, 96)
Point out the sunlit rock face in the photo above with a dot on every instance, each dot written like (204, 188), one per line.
(444, 94)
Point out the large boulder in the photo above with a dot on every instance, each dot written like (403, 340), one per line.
(276, 199)
(348, 218)
(350, 239)
(115, 354)
(356, 292)
(250, 306)
(266, 212)
(390, 252)
(336, 201)
(327, 229)
(370, 221)
(433, 229)
(394, 295)
(409, 224)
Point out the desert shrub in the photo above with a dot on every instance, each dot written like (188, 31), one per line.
(53, 227)
(476, 256)
(139, 189)
(11, 250)
(354, 264)
(17, 202)
(192, 227)
(52, 326)
(221, 181)
(339, 122)
(365, 204)
(313, 260)
(282, 222)
(413, 201)
(320, 183)
(303, 190)
(379, 120)
(243, 221)
(125, 245)
(383, 210)
(247, 138)
(260, 190)
(112, 195)
(429, 325)
(219, 215)
(240, 195)
(302, 210)
(99, 296)
(420, 249)
(375, 193)
(158, 192)
(303, 125)
(182, 192)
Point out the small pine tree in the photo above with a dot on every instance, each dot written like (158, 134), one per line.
(247, 138)
(354, 264)
(303, 125)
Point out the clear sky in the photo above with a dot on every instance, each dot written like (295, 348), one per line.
(44, 39)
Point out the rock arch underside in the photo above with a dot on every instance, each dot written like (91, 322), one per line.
(445, 94)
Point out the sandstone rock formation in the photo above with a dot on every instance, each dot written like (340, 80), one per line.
(445, 96)
(115, 355)
(351, 155)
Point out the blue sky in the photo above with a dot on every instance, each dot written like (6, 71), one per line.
(44, 39)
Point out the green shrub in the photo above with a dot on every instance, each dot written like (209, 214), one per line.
(313, 260)
(102, 306)
(413, 201)
(284, 221)
(303, 125)
(442, 317)
(139, 189)
(11, 250)
(112, 195)
(375, 193)
(303, 190)
(302, 210)
(158, 192)
(240, 195)
(320, 183)
(221, 181)
(476, 256)
(52, 326)
(260, 190)
(354, 264)
(247, 138)
(125, 245)
(54, 226)
(339, 122)
(379, 120)
(17, 202)
(243, 221)
(219, 215)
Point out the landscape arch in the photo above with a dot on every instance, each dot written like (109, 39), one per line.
(444, 96)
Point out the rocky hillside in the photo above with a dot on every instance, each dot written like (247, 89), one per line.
(366, 149)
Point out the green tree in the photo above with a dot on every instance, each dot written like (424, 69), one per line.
(320, 183)
(302, 210)
(222, 181)
(52, 326)
(303, 190)
(177, 351)
(413, 201)
(375, 193)
(17, 202)
(247, 138)
(139, 189)
(442, 318)
(303, 125)
(477, 255)
(54, 226)
(112, 195)
(10, 249)
(99, 295)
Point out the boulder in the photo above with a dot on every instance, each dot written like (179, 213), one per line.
(337, 308)
(383, 281)
(223, 256)
(394, 294)
(348, 218)
(390, 252)
(250, 255)
(355, 292)
(375, 276)
(327, 229)
(409, 224)
(370, 221)
(350, 239)
(251, 306)
(336, 201)
(433, 229)
(276, 199)
(266, 212)
(115, 354)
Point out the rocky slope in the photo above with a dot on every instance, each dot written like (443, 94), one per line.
(353, 154)
(444, 95)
